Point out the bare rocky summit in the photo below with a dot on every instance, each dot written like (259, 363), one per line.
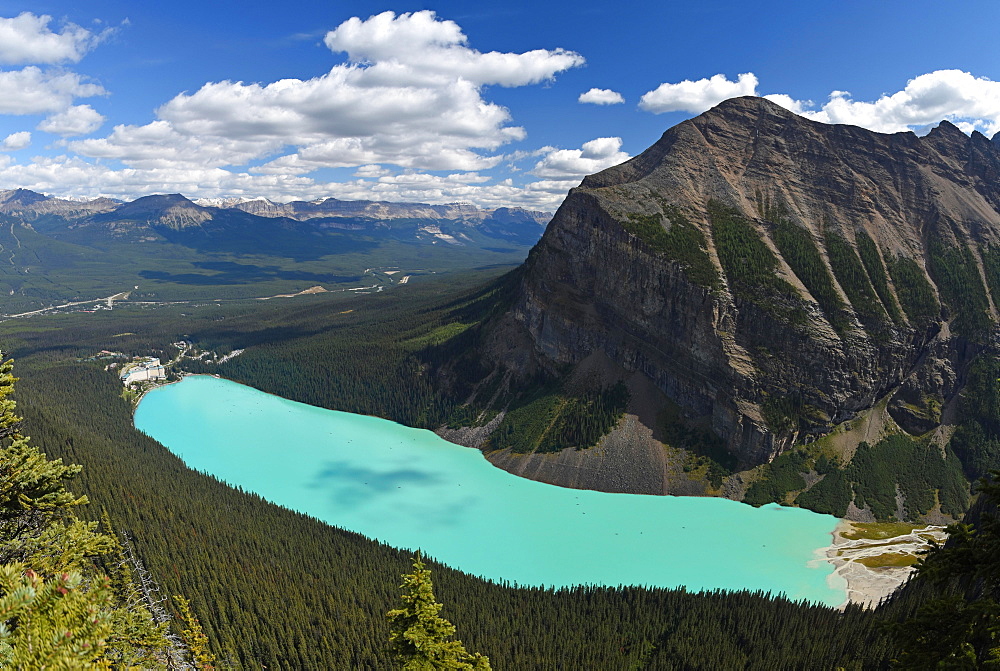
(168, 210)
(29, 204)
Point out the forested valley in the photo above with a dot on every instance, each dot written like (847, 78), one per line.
(277, 589)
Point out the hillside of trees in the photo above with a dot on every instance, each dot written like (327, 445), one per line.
(277, 589)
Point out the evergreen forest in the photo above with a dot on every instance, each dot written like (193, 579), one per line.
(271, 588)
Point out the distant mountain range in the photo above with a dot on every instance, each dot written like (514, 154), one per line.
(177, 212)
(26, 203)
(55, 248)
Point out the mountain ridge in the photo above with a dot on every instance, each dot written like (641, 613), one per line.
(771, 276)
(58, 250)
(25, 201)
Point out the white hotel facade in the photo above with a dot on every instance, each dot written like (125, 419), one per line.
(148, 370)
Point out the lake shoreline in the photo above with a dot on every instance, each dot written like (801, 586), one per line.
(410, 488)
(860, 584)
(867, 585)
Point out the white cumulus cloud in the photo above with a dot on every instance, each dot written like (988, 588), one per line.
(422, 41)
(27, 38)
(601, 97)
(16, 141)
(75, 120)
(790, 103)
(697, 96)
(437, 189)
(371, 170)
(72, 177)
(160, 145)
(410, 95)
(574, 164)
(408, 91)
(969, 101)
(32, 90)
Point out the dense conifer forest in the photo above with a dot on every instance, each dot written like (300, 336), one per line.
(874, 478)
(278, 589)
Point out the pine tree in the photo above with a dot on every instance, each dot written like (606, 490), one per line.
(959, 630)
(56, 610)
(139, 638)
(36, 526)
(420, 637)
(9, 422)
(29, 482)
(60, 625)
(194, 637)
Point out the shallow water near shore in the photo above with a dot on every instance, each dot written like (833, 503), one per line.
(411, 489)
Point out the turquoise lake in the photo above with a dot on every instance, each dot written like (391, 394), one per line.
(411, 489)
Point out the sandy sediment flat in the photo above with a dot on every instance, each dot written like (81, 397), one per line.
(866, 585)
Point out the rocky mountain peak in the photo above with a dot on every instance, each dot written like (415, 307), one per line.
(751, 108)
(772, 275)
(161, 200)
(30, 205)
(172, 210)
(745, 149)
(21, 197)
(947, 129)
(946, 139)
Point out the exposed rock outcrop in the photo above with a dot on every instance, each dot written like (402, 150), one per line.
(772, 275)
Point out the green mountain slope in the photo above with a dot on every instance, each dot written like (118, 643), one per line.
(275, 588)
(775, 294)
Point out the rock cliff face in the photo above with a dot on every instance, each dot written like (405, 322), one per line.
(771, 275)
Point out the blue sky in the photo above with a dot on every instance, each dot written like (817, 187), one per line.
(446, 101)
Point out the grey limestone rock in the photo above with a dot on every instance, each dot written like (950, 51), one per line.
(594, 284)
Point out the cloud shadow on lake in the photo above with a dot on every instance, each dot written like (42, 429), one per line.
(352, 485)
